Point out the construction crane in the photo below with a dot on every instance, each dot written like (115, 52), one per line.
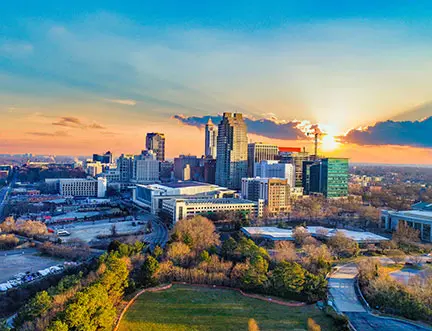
(316, 133)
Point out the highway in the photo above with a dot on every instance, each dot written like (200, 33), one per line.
(342, 292)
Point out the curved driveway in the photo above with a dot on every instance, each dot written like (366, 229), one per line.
(342, 291)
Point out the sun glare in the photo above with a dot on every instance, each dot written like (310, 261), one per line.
(329, 143)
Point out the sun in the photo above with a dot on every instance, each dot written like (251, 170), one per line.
(329, 143)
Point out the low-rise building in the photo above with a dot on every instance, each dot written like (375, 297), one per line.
(276, 234)
(417, 219)
(179, 209)
(152, 195)
(79, 187)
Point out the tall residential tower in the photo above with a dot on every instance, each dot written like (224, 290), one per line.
(232, 147)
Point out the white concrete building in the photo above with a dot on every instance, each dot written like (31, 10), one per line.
(145, 168)
(258, 152)
(79, 187)
(417, 219)
(152, 195)
(274, 169)
(94, 168)
(180, 209)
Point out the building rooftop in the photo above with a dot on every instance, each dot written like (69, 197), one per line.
(420, 214)
(184, 184)
(274, 233)
(218, 201)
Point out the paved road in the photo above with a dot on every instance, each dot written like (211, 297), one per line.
(3, 198)
(342, 290)
(158, 236)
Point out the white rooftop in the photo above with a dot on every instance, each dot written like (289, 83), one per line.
(420, 214)
(274, 233)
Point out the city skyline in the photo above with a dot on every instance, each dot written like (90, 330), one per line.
(95, 77)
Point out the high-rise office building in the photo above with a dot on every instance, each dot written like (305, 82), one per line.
(296, 158)
(125, 167)
(211, 133)
(306, 176)
(231, 161)
(329, 176)
(335, 177)
(258, 152)
(156, 142)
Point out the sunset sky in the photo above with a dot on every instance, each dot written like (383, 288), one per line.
(81, 77)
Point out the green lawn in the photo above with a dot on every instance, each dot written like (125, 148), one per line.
(193, 308)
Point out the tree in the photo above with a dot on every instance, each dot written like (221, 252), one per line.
(312, 325)
(284, 251)
(199, 233)
(38, 306)
(405, 234)
(300, 234)
(247, 249)
(288, 278)
(205, 256)
(343, 246)
(148, 271)
(396, 255)
(58, 326)
(157, 252)
(256, 274)
(317, 259)
(228, 248)
(368, 270)
(178, 252)
(252, 325)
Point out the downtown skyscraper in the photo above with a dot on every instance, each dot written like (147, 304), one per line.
(232, 151)
(211, 133)
(156, 142)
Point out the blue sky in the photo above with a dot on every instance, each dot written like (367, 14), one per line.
(131, 66)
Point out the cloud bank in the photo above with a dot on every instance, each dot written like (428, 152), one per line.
(410, 133)
(270, 128)
(404, 133)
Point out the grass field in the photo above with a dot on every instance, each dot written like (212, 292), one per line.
(194, 308)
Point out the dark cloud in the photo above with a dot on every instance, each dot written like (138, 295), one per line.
(49, 134)
(269, 128)
(74, 122)
(71, 122)
(410, 133)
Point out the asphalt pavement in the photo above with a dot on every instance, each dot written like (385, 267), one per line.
(343, 294)
(158, 236)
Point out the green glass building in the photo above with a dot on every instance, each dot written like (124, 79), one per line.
(334, 177)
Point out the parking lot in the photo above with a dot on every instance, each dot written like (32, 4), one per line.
(87, 231)
(15, 262)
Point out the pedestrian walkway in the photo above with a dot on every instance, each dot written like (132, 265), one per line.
(344, 297)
